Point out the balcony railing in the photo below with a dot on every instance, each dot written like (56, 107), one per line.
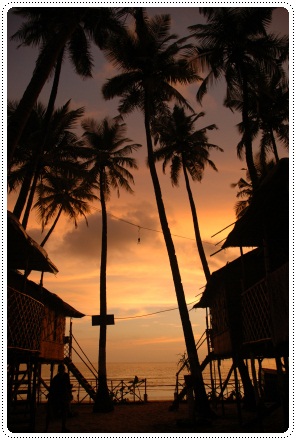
(256, 313)
(24, 321)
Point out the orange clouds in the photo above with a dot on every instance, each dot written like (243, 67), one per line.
(139, 279)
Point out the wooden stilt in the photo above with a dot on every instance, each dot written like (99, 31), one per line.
(221, 387)
(237, 395)
(283, 390)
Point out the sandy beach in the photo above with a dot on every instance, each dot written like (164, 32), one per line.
(155, 417)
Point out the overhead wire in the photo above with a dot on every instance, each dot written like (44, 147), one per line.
(152, 313)
(150, 229)
(139, 240)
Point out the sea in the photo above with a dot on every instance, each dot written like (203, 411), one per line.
(144, 381)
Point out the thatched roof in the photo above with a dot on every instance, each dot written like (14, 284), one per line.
(268, 213)
(49, 299)
(23, 252)
(238, 275)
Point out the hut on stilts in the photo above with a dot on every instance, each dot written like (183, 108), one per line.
(35, 325)
(247, 303)
(248, 299)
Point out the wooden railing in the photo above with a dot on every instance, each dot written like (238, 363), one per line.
(256, 313)
(24, 321)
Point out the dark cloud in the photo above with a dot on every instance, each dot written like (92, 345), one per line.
(122, 232)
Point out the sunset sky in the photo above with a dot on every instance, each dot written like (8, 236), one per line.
(139, 280)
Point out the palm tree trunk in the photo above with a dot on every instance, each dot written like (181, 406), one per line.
(40, 75)
(45, 131)
(274, 147)
(25, 188)
(247, 136)
(52, 227)
(23, 194)
(103, 402)
(54, 91)
(30, 200)
(196, 228)
(201, 400)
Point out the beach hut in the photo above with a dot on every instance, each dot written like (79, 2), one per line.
(248, 298)
(35, 325)
(266, 227)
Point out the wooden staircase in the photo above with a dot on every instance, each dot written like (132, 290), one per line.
(81, 379)
(21, 393)
(182, 394)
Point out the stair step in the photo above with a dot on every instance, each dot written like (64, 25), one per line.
(20, 427)
(17, 382)
(19, 414)
(81, 379)
(19, 418)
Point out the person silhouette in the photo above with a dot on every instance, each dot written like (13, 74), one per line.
(59, 397)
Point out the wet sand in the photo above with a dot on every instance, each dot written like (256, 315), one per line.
(155, 417)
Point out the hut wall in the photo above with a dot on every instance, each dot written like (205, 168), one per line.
(221, 339)
(24, 321)
(52, 336)
(278, 290)
(222, 343)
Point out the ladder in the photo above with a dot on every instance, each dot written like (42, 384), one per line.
(21, 394)
(179, 396)
(81, 379)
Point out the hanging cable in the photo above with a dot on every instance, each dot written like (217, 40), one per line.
(150, 229)
(152, 313)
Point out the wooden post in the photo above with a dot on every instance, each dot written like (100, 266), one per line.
(283, 391)
(145, 392)
(213, 393)
(190, 397)
(70, 340)
(221, 386)
(255, 381)
(237, 395)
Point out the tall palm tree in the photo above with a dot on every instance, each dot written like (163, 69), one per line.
(234, 43)
(109, 163)
(152, 63)
(59, 193)
(268, 113)
(58, 30)
(61, 152)
(271, 107)
(186, 150)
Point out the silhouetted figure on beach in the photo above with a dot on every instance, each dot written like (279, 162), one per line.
(59, 397)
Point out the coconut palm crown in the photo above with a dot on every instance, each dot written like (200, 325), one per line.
(234, 44)
(186, 150)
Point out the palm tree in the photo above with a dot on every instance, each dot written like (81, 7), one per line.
(234, 43)
(268, 114)
(21, 169)
(152, 63)
(59, 193)
(187, 151)
(61, 152)
(245, 188)
(271, 107)
(108, 162)
(58, 30)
